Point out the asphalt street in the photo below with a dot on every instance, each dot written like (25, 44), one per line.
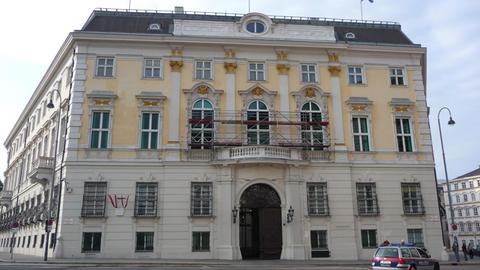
(40, 266)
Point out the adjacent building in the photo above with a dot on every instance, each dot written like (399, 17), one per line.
(224, 136)
(465, 196)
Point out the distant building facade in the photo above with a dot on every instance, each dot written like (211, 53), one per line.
(465, 192)
(216, 136)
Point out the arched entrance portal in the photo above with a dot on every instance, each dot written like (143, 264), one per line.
(260, 223)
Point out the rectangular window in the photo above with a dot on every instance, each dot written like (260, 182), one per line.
(256, 71)
(470, 183)
(361, 134)
(34, 241)
(415, 236)
(144, 242)
(201, 197)
(203, 70)
(146, 199)
(29, 241)
(200, 241)
(355, 75)
(317, 199)
(23, 242)
(94, 197)
(367, 199)
(464, 184)
(475, 211)
(318, 242)
(42, 240)
(397, 76)
(369, 238)
(404, 135)
(53, 240)
(459, 212)
(100, 129)
(412, 199)
(308, 73)
(104, 66)
(91, 241)
(149, 130)
(455, 186)
(152, 68)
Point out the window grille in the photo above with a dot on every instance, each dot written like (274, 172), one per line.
(317, 199)
(94, 198)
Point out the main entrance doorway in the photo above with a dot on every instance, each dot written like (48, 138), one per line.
(260, 223)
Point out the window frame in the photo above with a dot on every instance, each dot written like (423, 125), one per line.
(201, 236)
(355, 75)
(97, 199)
(309, 130)
(256, 71)
(361, 134)
(320, 245)
(105, 66)
(404, 135)
(320, 199)
(396, 76)
(92, 248)
(256, 128)
(308, 73)
(205, 211)
(419, 244)
(367, 233)
(361, 187)
(420, 208)
(145, 241)
(202, 128)
(100, 129)
(153, 67)
(203, 69)
(146, 200)
(149, 130)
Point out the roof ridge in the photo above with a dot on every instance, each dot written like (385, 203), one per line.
(475, 172)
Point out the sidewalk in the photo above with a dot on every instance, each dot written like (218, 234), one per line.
(27, 259)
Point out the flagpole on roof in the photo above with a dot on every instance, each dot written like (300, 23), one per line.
(248, 6)
(361, 10)
(129, 4)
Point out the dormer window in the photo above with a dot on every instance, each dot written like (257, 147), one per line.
(256, 27)
(154, 27)
(349, 35)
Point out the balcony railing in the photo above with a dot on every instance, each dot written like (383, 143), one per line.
(42, 170)
(259, 152)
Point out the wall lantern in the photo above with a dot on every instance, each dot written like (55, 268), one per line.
(234, 214)
(290, 214)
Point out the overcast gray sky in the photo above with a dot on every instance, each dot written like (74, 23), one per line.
(32, 32)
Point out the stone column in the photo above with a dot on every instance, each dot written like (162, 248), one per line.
(294, 244)
(283, 69)
(224, 220)
(338, 138)
(230, 66)
(173, 144)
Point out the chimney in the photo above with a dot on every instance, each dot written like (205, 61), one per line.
(179, 10)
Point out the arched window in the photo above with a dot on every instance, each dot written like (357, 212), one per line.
(202, 125)
(312, 130)
(258, 133)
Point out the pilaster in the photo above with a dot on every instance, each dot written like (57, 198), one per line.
(338, 138)
(230, 66)
(172, 149)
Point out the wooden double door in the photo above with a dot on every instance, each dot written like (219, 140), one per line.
(260, 224)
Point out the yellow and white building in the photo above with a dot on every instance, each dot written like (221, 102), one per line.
(224, 136)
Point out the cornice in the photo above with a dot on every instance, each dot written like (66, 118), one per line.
(52, 70)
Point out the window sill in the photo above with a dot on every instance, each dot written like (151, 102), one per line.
(146, 217)
(152, 78)
(211, 216)
(200, 251)
(201, 79)
(399, 86)
(144, 251)
(104, 77)
(257, 81)
(358, 84)
(306, 83)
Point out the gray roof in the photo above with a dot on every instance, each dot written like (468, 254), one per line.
(475, 172)
(134, 21)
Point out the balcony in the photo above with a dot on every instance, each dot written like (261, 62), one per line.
(6, 198)
(42, 170)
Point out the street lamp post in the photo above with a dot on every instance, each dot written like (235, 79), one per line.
(48, 221)
(450, 122)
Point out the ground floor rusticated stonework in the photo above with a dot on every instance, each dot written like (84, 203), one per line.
(244, 210)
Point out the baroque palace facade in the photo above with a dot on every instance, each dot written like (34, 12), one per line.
(224, 136)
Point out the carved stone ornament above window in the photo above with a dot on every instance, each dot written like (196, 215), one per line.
(402, 106)
(104, 99)
(313, 93)
(359, 105)
(257, 92)
(203, 90)
(150, 100)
